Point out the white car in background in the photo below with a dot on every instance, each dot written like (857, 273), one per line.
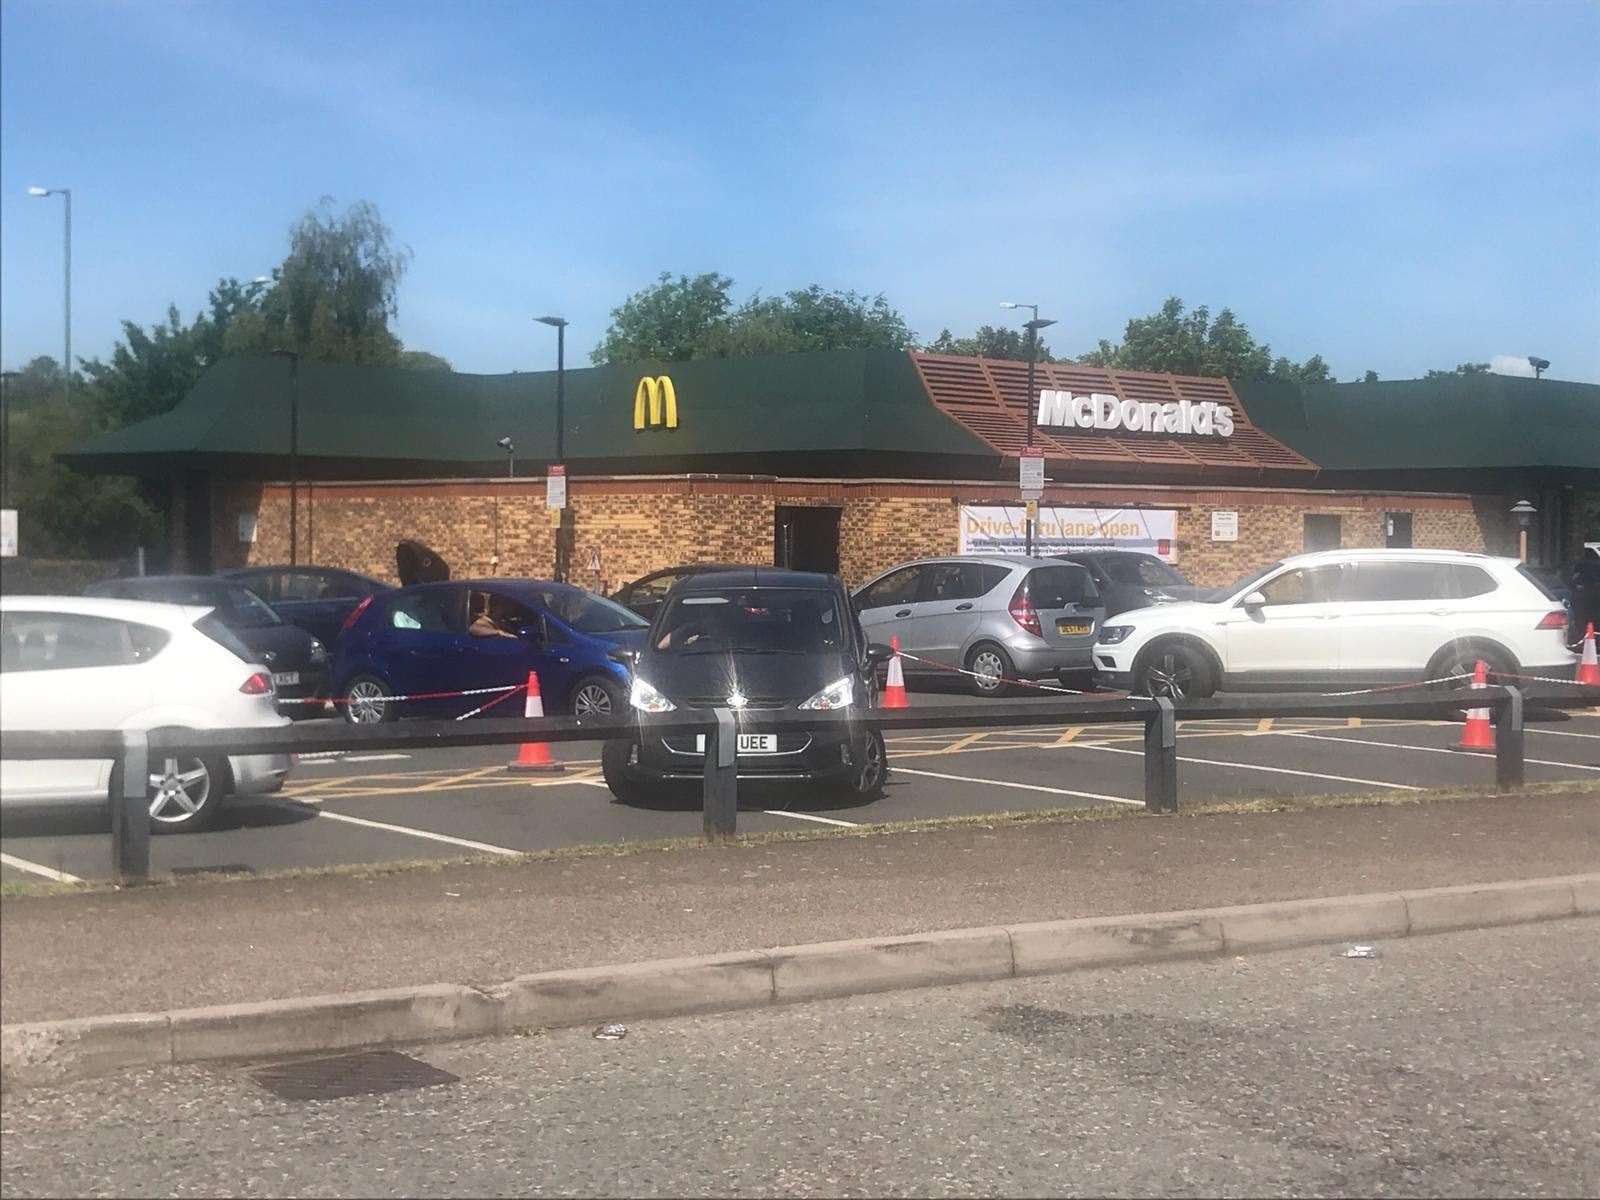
(1342, 619)
(77, 663)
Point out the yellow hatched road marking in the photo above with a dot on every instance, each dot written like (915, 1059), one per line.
(1264, 725)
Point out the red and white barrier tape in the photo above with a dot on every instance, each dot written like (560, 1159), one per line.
(1004, 680)
(508, 688)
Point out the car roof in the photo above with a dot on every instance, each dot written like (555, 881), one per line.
(991, 560)
(700, 568)
(1323, 557)
(1105, 552)
(758, 577)
(143, 612)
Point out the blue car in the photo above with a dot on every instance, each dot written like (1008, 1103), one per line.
(467, 635)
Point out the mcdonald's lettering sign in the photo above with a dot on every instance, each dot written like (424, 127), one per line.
(655, 403)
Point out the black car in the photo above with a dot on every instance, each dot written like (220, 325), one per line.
(1131, 579)
(297, 661)
(645, 594)
(317, 599)
(754, 639)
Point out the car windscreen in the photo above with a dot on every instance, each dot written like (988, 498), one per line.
(1140, 570)
(750, 621)
(237, 607)
(589, 613)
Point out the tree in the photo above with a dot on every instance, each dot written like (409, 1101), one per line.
(1370, 377)
(1466, 368)
(1192, 343)
(990, 342)
(693, 317)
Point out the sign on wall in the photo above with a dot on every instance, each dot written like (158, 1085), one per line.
(1098, 410)
(1224, 526)
(247, 527)
(555, 487)
(8, 533)
(999, 529)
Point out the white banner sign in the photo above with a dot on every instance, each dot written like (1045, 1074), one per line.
(8, 533)
(998, 529)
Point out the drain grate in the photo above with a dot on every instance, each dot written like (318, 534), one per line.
(368, 1073)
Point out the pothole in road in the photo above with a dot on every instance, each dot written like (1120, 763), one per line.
(367, 1073)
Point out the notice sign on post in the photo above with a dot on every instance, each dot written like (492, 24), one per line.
(999, 529)
(8, 533)
(1224, 526)
(1032, 473)
(555, 488)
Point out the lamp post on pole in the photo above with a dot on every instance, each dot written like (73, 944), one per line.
(559, 324)
(1523, 512)
(1033, 328)
(294, 451)
(66, 365)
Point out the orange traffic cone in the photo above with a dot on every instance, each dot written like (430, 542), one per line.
(1478, 736)
(1588, 665)
(894, 689)
(535, 757)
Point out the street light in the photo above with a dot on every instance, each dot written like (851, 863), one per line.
(294, 451)
(1523, 512)
(559, 324)
(66, 366)
(1033, 328)
(1539, 365)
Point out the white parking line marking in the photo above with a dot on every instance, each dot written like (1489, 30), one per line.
(1026, 787)
(1542, 762)
(1562, 733)
(1212, 762)
(799, 816)
(332, 759)
(403, 829)
(33, 868)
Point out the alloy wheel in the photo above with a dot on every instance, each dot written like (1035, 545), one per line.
(591, 700)
(368, 702)
(1170, 676)
(871, 773)
(179, 790)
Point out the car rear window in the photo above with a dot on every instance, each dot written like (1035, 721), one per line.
(750, 621)
(1532, 577)
(1058, 587)
(211, 625)
(1140, 570)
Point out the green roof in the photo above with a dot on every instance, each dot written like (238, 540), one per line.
(1457, 422)
(404, 420)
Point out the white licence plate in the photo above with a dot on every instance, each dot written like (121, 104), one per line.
(285, 678)
(749, 743)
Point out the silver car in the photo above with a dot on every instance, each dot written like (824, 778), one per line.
(998, 616)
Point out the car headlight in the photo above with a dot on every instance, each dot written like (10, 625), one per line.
(646, 699)
(1110, 635)
(319, 652)
(841, 693)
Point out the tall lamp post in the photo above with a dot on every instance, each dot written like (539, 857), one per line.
(294, 452)
(66, 365)
(1033, 328)
(7, 381)
(1523, 512)
(559, 324)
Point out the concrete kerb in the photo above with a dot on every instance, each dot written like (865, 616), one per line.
(58, 1051)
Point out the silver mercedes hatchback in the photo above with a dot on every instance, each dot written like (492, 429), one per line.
(998, 617)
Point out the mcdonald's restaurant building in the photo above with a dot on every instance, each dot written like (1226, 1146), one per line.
(849, 461)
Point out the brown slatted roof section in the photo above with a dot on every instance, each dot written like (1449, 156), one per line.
(989, 397)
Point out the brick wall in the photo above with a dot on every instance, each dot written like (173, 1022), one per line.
(642, 526)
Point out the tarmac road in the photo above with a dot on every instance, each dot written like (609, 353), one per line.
(1466, 1064)
(362, 808)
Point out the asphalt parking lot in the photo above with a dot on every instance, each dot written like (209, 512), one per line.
(373, 808)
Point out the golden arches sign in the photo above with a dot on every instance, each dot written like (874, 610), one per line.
(656, 399)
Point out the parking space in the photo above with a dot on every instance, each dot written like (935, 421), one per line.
(379, 808)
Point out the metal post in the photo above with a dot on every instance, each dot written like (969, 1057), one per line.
(7, 382)
(722, 779)
(1161, 758)
(1509, 771)
(130, 812)
(560, 558)
(67, 366)
(294, 459)
(1033, 338)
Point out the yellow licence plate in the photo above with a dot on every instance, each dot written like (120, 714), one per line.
(1070, 628)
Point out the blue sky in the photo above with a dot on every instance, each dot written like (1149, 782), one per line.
(1395, 186)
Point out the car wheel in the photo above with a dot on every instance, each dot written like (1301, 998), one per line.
(597, 698)
(182, 793)
(1462, 659)
(991, 667)
(1175, 671)
(614, 767)
(871, 770)
(367, 701)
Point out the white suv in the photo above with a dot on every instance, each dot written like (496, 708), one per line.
(1342, 618)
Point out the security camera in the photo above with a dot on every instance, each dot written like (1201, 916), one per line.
(1539, 365)
(504, 443)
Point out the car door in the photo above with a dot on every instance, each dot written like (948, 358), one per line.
(504, 657)
(422, 648)
(889, 606)
(1292, 639)
(65, 671)
(1396, 615)
(948, 608)
(1069, 608)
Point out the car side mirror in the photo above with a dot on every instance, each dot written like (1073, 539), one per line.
(625, 655)
(1255, 600)
(878, 653)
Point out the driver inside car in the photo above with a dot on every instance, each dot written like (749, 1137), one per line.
(495, 619)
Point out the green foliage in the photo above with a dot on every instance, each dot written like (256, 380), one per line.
(990, 342)
(1370, 377)
(1466, 368)
(693, 317)
(1192, 343)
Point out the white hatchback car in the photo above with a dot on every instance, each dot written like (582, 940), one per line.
(78, 663)
(1342, 619)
